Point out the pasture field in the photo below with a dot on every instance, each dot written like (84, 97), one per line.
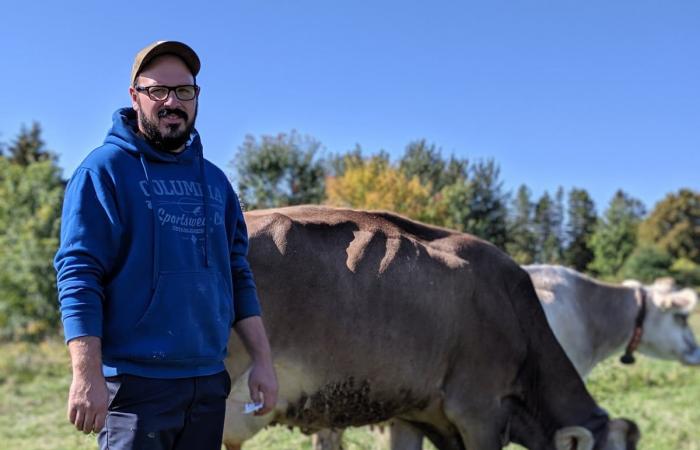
(662, 397)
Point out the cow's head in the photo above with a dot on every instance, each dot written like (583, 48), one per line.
(666, 331)
(623, 434)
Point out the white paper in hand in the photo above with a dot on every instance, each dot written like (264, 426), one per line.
(250, 408)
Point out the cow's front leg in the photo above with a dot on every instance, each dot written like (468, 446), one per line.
(482, 426)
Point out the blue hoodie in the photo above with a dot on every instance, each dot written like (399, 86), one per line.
(153, 257)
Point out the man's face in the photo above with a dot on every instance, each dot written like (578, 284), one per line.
(166, 124)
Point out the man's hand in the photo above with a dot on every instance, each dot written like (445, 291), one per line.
(88, 396)
(262, 380)
(87, 403)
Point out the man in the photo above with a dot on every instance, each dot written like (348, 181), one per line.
(152, 273)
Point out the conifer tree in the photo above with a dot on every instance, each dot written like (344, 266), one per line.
(522, 242)
(580, 227)
(29, 147)
(615, 235)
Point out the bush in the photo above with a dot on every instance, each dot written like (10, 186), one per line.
(686, 272)
(647, 263)
(30, 210)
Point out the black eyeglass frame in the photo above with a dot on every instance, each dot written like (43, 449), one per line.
(147, 90)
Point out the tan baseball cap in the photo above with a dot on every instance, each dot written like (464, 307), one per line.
(182, 51)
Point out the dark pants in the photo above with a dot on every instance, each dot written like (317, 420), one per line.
(165, 414)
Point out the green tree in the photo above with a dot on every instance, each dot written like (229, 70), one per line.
(686, 272)
(674, 226)
(29, 147)
(647, 263)
(558, 223)
(580, 227)
(615, 235)
(281, 170)
(522, 243)
(547, 230)
(31, 194)
(487, 205)
(424, 161)
(451, 206)
(446, 180)
(427, 163)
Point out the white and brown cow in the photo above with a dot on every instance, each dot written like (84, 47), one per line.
(372, 316)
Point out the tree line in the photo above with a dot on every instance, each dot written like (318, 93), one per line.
(555, 228)
(287, 169)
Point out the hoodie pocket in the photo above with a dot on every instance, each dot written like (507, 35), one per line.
(188, 319)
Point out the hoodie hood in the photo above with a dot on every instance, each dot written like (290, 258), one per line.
(123, 134)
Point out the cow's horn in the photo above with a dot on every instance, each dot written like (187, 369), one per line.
(573, 438)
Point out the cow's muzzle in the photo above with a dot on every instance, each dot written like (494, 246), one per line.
(692, 357)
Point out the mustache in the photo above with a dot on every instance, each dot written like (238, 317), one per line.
(178, 112)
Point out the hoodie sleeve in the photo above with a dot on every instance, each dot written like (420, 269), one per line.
(90, 235)
(245, 296)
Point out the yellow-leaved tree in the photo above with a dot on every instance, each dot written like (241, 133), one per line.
(373, 183)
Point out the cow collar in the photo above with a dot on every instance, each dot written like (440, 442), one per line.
(628, 357)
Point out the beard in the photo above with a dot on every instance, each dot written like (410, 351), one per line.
(176, 135)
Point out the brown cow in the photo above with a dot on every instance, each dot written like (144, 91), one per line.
(592, 321)
(371, 316)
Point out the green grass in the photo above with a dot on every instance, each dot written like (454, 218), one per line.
(34, 382)
(662, 397)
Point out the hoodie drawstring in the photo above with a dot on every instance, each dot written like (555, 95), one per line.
(205, 195)
(156, 228)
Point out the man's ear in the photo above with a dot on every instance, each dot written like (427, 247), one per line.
(134, 94)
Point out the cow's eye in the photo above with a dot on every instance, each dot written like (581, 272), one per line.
(681, 319)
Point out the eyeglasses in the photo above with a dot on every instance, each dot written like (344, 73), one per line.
(185, 92)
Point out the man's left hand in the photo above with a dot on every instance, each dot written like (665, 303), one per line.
(262, 383)
(262, 380)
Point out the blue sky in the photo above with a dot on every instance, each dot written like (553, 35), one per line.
(596, 94)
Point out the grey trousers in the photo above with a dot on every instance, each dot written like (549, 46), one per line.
(165, 414)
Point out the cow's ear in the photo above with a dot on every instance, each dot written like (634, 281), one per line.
(664, 284)
(685, 299)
